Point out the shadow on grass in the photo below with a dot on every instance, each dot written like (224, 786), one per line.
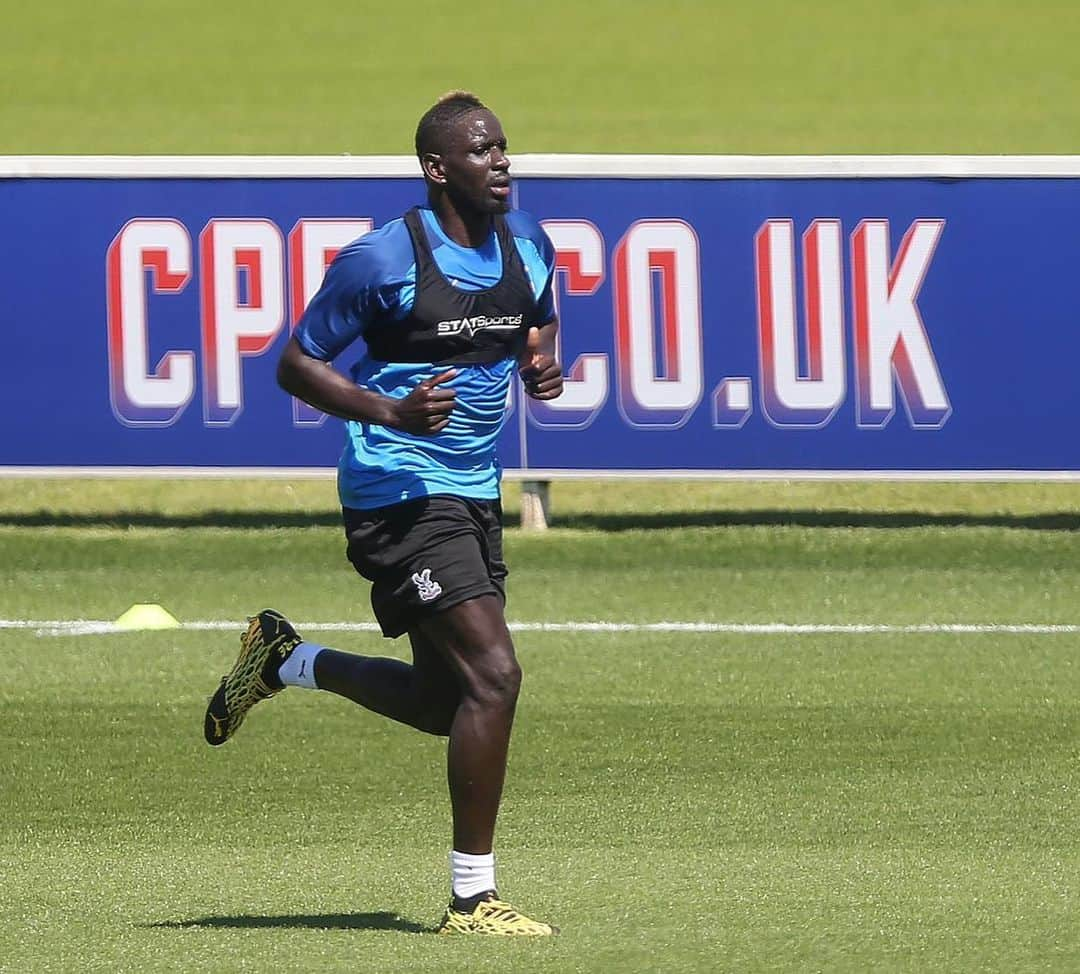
(588, 520)
(598, 521)
(243, 520)
(316, 921)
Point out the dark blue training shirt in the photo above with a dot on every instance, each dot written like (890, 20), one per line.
(375, 276)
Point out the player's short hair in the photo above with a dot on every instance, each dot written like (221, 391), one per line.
(435, 123)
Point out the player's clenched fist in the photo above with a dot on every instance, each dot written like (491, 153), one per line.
(426, 410)
(540, 372)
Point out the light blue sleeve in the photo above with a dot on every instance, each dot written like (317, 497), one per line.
(361, 285)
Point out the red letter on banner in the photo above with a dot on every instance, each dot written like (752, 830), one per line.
(890, 340)
(243, 307)
(140, 397)
(658, 388)
(793, 395)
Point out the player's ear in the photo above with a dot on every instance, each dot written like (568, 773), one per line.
(432, 164)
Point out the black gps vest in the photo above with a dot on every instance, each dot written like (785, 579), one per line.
(449, 326)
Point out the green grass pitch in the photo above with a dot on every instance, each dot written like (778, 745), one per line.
(711, 76)
(694, 802)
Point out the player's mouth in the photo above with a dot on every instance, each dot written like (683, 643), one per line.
(501, 189)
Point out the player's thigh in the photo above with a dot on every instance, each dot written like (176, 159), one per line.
(474, 640)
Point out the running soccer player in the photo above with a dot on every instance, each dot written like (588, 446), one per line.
(450, 301)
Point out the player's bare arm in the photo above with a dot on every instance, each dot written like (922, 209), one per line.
(425, 411)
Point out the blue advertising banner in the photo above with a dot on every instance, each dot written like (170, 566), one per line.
(729, 321)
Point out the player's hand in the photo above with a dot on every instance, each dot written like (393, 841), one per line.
(541, 374)
(426, 410)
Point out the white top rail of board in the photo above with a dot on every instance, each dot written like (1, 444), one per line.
(543, 165)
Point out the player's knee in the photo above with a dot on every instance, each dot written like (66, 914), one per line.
(497, 683)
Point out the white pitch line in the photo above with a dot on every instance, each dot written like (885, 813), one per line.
(82, 627)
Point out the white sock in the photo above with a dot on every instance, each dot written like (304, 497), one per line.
(471, 875)
(299, 669)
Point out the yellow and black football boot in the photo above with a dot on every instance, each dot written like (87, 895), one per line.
(263, 648)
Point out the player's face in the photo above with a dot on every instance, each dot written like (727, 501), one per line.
(476, 166)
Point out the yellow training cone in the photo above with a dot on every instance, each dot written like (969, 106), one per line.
(147, 616)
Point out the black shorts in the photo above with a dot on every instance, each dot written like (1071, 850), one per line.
(425, 555)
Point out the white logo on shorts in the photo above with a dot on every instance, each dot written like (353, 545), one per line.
(427, 588)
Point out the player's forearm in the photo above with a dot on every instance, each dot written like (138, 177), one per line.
(322, 386)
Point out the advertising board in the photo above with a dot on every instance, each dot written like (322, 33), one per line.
(720, 317)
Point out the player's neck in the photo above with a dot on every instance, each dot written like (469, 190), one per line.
(465, 229)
